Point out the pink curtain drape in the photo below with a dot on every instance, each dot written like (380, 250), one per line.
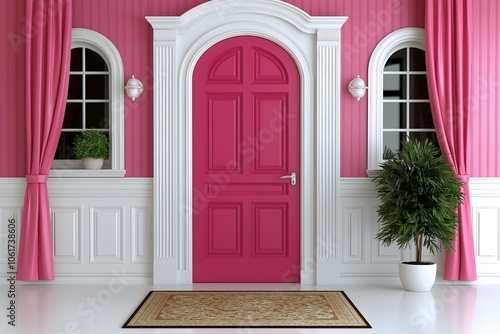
(48, 51)
(448, 58)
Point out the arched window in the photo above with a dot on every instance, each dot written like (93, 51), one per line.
(95, 101)
(398, 105)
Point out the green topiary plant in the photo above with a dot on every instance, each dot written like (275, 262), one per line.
(419, 196)
(91, 144)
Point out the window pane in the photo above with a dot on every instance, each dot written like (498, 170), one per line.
(94, 62)
(417, 60)
(76, 60)
(392, 140)
(394, 86)
(75, 87)
(65, 146)
(96, 86)
(73, 118)
(397, 62)
(97, 115)
(421, 136)
(394, 115)
(421, 116)
(418, 84)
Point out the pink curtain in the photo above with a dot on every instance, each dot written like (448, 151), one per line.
(48, 51)
(447, 26)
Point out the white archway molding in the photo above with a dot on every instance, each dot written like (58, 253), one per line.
(314, 43)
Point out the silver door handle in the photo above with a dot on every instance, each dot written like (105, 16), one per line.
(292, 177)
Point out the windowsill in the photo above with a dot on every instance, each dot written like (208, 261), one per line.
(63, 173)
(372, 172)
(74, 168)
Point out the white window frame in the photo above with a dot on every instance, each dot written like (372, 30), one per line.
(104, 47)
(399, 39)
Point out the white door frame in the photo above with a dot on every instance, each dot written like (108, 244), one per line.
(178, 43)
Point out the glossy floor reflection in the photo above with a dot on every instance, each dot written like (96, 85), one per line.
(56, 309)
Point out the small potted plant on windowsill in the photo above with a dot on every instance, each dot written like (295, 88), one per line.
(92, 146)
(419, 196)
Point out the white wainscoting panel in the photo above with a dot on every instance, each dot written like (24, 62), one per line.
(353, 235)
(141, 232)
(485, 203)
(366, 260)
(67, 234)
(384, 254)
(102, 227)
(486, 231)
(106, 235)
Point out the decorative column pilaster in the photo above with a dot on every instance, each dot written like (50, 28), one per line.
(327, 150)
(166, 155)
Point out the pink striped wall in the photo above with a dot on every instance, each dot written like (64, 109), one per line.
(122, 21)
(12, 49)
(485, 99)
(124, 24)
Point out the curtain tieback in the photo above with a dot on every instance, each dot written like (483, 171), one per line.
(463, 177)
(37, 178)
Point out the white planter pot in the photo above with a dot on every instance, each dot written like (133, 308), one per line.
(90, 163)
(417, 277)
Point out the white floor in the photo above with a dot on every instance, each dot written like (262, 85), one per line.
(72, 309)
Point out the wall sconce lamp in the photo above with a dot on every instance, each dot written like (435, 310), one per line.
(134, 88)
(357, 87)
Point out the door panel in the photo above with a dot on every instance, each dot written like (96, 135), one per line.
(246, 135)
(271, 141)
(270, 229)
(224, 229)
(224, 131)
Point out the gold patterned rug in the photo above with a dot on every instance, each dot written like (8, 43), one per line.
(319, 309)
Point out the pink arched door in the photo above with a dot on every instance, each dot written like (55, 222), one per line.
(246, 137)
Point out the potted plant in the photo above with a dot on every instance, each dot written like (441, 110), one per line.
(92, 146)
(419, 196)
